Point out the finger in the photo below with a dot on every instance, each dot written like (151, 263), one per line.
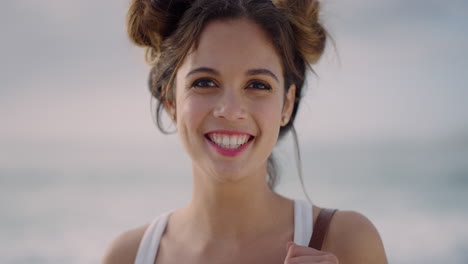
(322, 259)
(296, 250)
(304, 260)
(288, 245)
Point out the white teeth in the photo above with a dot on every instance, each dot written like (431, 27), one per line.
(228, 141)
(225, 140)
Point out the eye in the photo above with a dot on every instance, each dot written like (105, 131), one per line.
(203, 83)
(259, 85)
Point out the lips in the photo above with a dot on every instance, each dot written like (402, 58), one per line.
(229, 143)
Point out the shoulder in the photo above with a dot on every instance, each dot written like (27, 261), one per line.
(123, 249)
(354, 239)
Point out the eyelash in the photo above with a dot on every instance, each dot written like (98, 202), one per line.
(197, 82)
(266, 86)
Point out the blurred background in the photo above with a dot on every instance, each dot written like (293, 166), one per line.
(383, 130)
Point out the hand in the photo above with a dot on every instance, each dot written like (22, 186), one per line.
(306, 255)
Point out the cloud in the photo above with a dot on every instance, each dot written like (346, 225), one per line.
(70, 66)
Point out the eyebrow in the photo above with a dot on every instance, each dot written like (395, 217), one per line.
(249, 72)
(203, 69)
(262, 71)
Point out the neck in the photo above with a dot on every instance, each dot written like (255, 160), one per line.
(235, 211)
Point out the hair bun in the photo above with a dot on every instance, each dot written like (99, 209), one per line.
(310, 35)
(174, 10)
(149, 22)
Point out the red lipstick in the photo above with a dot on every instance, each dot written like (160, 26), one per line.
(229, 152)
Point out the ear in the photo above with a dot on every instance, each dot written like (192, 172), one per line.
(169, 106)
(288, 105)
(170, 109)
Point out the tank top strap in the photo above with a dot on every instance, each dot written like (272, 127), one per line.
(149, 243)
(321, 227)
(303, 222)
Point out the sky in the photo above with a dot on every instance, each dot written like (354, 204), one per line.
(71, 81)
(74, 102)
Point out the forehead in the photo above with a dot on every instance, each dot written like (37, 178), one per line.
(234, 45)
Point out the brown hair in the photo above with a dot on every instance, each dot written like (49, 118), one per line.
(168, 29)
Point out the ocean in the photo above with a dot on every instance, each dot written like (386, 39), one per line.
(415, 194)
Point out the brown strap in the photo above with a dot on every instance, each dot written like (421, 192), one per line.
(321, 228)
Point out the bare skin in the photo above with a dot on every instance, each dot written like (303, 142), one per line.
(234, 217)
(351, 237)
(265, 245)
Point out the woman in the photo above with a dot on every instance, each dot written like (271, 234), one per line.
(230, 74)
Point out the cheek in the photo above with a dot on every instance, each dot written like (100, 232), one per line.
(268, 114)
(191, 110)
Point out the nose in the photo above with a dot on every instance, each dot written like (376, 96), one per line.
(230, 106)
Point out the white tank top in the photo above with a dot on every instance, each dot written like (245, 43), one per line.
(149, 244)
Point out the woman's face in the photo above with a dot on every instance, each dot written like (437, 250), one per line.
(230, 100)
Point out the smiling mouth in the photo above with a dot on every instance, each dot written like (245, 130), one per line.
(229, 141)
